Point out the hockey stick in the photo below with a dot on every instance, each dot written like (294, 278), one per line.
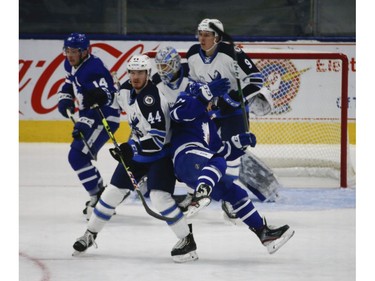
(130, 174)
(227, 37)
(71, 116)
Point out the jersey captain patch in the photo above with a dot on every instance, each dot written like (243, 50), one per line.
(148, 100)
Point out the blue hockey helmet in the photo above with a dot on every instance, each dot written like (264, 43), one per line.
(77, 41)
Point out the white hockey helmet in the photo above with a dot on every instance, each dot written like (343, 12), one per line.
(168, 62)
(140, 62)
(205, 25)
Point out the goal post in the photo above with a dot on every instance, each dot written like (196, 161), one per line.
(306, 134)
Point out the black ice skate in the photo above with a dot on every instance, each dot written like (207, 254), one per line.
(273, 238)
(84, 242)
(200, 200)
(184, 250)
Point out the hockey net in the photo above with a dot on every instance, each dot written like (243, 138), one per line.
(306, 134)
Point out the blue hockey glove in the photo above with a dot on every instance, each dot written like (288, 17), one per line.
(97, 96)
(84, 125)
(201, 91)
(242, 141)
(66, 101)
(229, 102)
(219, 87)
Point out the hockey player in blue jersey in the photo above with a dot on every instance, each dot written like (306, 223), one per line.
(212, 59)
(200, 160)
(89, 83)
(146, 153)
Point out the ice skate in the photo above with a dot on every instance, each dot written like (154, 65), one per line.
(84, 242)
(184, 250)
(200, 200)
(273, 238)
(228, 214)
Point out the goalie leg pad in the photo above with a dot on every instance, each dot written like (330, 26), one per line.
(258, 178)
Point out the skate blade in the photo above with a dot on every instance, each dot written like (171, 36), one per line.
(192, 256)
(228, 220)
(78, 253)
(275, 245)
(193, 210)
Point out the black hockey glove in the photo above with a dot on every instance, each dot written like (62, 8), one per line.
(229, 102)
(96, 96)
(126, 151)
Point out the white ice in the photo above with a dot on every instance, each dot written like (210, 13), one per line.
(135, 246)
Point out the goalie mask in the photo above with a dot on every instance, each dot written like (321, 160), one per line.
(168, 62)
(205, 26)
(140, 62)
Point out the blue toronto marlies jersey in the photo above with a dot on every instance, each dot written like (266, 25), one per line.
(90, 74)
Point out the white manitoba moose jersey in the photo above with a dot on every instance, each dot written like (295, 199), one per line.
(148, 116)
(221, 65)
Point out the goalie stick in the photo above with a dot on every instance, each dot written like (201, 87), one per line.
(227, 37)
(130, 174)
(71, 116)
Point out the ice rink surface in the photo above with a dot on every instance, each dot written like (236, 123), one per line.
(135, 246)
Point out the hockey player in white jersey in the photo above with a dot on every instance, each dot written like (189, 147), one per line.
(200, 160)
(213, 59)
(146, 153)
(88, 82)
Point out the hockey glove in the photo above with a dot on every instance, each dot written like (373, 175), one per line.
(201, 91)
(66, 101)
(242, 141)
(97, 96)
(229, 102)
(84, 125)
(126, 151)
(219, 87)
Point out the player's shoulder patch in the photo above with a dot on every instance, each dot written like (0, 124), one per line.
(148, 100)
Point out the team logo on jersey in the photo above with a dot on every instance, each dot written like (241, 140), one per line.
(148, 100)
(283, 79)
(237, 49)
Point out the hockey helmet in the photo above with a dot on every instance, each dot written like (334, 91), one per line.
(140, 62)
(168, 62)
(205, 25)
(77, 41)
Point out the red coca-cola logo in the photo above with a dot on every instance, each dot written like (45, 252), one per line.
(46, 89)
